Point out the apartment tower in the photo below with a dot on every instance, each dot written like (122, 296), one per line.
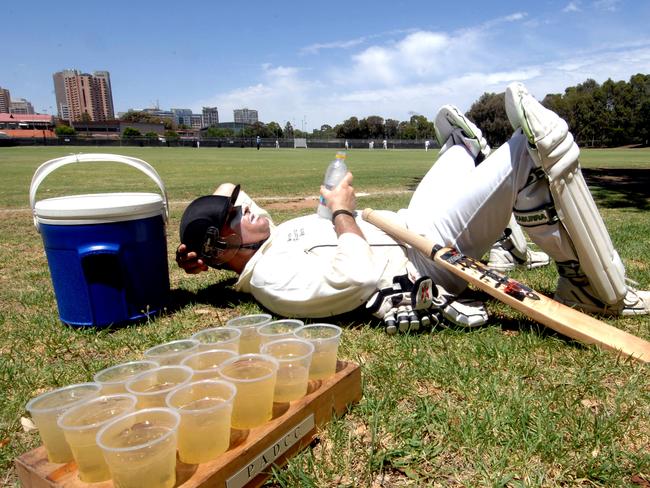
(210, 116)
(245, 116)
(5, 101)
(82, 96)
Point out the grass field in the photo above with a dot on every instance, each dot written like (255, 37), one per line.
(509, 404)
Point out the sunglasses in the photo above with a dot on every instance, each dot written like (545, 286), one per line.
(217, 249)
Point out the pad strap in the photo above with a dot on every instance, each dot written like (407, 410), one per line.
(546, 215)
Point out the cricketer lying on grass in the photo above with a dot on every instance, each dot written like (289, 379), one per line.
(314, 267)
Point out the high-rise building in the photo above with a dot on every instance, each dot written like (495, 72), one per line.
(197, 121)
(182, 116)
(104, 94)
(210, 116)
(5, 100)
(21, 106)
(245, 116)
(82, 96)
(59, 94)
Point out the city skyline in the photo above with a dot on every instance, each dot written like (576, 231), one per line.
(314, 66)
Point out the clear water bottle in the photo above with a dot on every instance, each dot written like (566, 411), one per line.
(336, 170)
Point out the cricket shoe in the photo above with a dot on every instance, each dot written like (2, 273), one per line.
(549, 139)
(502, 259)
(575, 291)
(452, 127)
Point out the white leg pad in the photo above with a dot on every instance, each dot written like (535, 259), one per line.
(551, 146)
(578, 212)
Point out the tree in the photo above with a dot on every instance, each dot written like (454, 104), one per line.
(146, 118)
(171, 135)
(390, 128)
(256, 129)
(85, 117)
(349, 129)
(422, 127)
(130, 132)
(640, 87)
(215, 132)
(375, 126)
(288, 130)
(405, 131)
(418, 127)
(64, 130)
(151, 135)
(326, 131)
(275, 129)
(489, 115)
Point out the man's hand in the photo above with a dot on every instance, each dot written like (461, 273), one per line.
(405, 306)
(189, 261)
(342, 196)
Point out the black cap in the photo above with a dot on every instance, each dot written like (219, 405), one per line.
(203, 213)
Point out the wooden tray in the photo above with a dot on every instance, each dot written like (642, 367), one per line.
(252, 452)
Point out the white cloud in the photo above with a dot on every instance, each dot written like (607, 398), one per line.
(346, 44)
(572, 7)
(315, 48)
(420, 55)
(517, 16)
(607, 5)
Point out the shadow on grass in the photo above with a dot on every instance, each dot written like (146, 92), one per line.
(610, 187)
(619, 188)
(220, 295)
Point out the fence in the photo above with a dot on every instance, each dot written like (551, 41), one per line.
(242, 142)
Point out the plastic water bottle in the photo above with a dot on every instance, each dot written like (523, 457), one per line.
(336, 170)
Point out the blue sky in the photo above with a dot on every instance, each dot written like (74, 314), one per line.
(313, 65)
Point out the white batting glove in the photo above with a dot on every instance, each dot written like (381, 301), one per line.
(465, 312)
(405, 305)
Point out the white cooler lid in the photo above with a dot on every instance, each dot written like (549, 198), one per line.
(98, 208)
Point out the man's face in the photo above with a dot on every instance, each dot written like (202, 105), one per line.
(250, 227)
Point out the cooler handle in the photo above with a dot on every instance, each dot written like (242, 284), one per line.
(49, 166)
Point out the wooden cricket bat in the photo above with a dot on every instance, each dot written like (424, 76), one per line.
(565, 320)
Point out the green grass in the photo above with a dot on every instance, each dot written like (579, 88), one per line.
(510, 404)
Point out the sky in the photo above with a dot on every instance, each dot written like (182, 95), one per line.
(314, 64)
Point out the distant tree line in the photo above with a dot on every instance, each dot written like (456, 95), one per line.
(616, 113)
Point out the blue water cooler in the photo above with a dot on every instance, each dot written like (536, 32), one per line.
(107, 252)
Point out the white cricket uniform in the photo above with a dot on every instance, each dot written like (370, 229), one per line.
(304, 270)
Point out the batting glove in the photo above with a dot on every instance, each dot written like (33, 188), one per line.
(405, 306)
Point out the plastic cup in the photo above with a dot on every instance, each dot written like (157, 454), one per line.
(205, 365)
(151, 387)
(278, 329)
(80, 425)
(294, 358)
(218, 338)
(172, 352)
(113, 379)
(254, 376)
(205, 408)
(46, 409)
(140, 448)
(325, 338)
(249, 342)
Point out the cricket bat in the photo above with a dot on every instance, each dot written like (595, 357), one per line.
(565, 320)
